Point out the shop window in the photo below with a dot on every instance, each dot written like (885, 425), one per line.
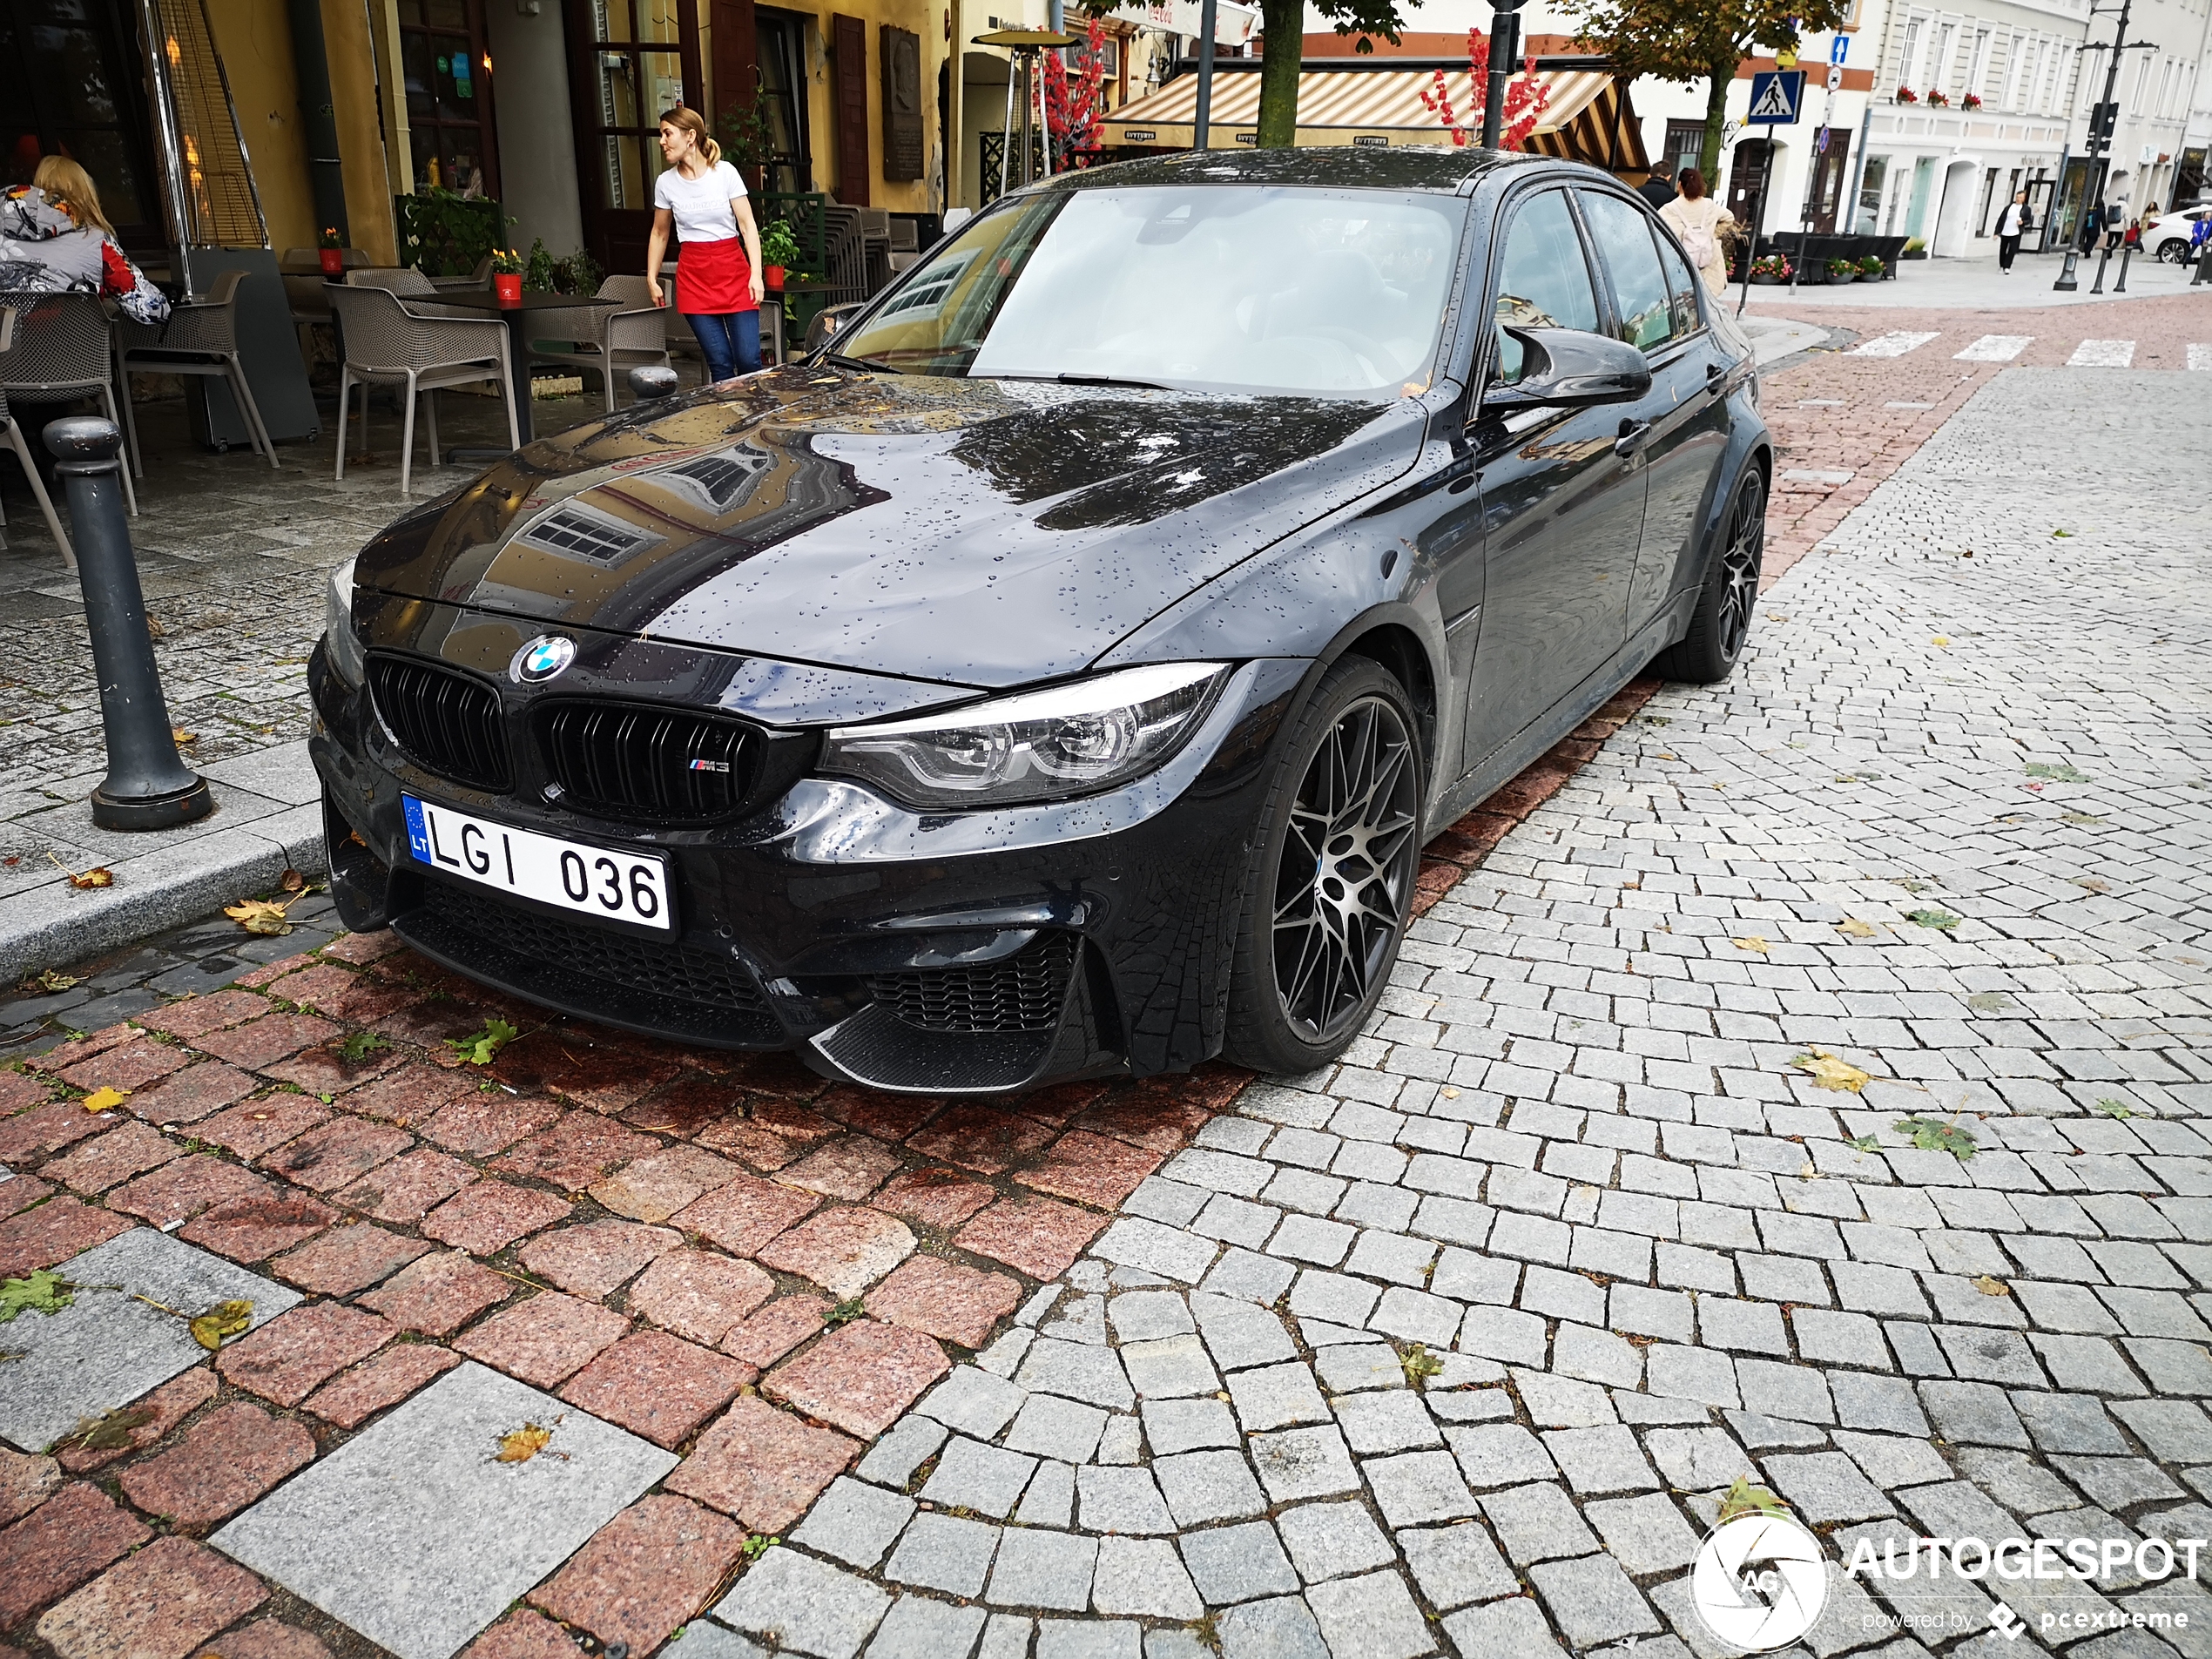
(70, 84)
(447, 70)
(781, 44)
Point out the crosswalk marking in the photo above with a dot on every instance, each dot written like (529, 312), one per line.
(1993, 348)
(2102, 354)
(2201, 356)
(1889, 344)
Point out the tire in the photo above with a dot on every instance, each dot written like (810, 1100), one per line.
(2174, 251)
(1722, 624)
(1331, 887)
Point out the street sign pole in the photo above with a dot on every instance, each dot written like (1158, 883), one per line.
(1777, 96)
(2102, 121)
(1504, 46)
(1201, 122)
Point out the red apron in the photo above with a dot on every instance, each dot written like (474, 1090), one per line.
(713, 279)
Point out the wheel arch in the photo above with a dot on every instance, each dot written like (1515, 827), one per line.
(1397, 648)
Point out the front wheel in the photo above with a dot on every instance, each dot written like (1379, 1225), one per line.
(1722, 624)
(2174, 251)
(1330, 886)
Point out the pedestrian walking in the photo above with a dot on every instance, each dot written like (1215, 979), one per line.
(718, 272)
(2013, 224)
(1702, 225)
(1658, 189)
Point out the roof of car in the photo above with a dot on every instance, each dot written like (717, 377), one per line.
(1342, 167)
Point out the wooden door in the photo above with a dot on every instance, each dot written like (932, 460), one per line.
(447, 70)
(849, 104)
(1831, 173)
(629, 60)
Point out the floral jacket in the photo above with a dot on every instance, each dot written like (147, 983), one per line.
(42, 251)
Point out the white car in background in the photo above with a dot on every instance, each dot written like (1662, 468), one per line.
(2168, 235)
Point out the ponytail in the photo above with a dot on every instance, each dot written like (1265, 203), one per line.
(691, 121)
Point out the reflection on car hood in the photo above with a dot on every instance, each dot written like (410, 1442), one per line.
(978, 532)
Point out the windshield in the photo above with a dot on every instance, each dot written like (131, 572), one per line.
(1241, 288)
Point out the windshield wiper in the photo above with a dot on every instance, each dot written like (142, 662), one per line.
(1079, 377)
(877, 363)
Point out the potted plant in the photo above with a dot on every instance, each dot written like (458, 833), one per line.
(506, 275)
(1938, 99)
(779, 253)
(330, 248)
(1914, 249)
(1906, 94)
(1770, 270)
(1871, 269)
(1972, 101)
(1841, 270)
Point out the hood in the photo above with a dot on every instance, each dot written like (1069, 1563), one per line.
(27, 216)
(975, 532)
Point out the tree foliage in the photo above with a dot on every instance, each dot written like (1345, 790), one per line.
(1690, 40)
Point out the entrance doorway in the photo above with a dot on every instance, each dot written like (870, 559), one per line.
(780, 38)
(629, 60)
(1748, 176)
(1831, 173)
(447, 75)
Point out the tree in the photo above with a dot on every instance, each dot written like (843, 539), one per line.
(1690, 40)
(1525, 96)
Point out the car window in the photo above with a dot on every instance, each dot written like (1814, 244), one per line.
(1643, 308)
(1681, 287)
(1543, 277)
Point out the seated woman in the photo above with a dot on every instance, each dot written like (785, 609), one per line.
(55, 240)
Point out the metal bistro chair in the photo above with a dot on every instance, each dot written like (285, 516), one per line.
(12, 434)
(387, 344)
(604, 340)
(479, 277)
(416, 291)
(61, 353)
(200, 339)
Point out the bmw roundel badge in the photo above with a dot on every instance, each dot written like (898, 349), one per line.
(541, 659)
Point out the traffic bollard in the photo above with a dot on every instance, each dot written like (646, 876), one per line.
(2103, 255)
(2126, 252)
(650, 382)
(2203, 267)
(147, 787)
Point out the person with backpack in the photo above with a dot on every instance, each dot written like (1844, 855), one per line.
(1703, 225)
(2013, 224)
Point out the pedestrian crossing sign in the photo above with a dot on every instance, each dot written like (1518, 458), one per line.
(1775, 96)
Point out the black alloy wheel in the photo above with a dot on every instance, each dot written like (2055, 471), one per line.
(1333, 889)
(1721, 625)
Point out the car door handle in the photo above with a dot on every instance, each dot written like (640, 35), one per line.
(1633, 433)
(1714, 373)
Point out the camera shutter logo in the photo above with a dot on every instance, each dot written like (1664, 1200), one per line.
(1760, 1582)
(543, 659)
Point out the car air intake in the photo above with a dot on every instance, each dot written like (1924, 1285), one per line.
(1023, 991)
(446, 722)
(665, 765)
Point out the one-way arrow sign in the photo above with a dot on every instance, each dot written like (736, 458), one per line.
(1777, 95)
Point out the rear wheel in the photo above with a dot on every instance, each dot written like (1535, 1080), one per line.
(1721, 622)
(1330, 888)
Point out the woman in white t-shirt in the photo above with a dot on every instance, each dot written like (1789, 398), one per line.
(718, 276)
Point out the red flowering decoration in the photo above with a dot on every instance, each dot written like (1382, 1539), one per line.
(1906, 94)
(1072, 103)
(1972, 101)
(1525, 96)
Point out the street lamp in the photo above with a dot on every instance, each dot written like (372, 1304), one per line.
(2104, 122)
(1504, 46)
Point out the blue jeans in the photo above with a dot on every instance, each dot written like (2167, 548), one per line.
(731, 341)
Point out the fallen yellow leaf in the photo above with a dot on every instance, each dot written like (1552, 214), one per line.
(1856, 929)
(1753, 944)
(1828, 1072)
(261, 915)
(102, 1100)
(521, 1445)
(223, 1319)
(178, 734)
(1989, 1286)
(98, 876)
(1940, 640)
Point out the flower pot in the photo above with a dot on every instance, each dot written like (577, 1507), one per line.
(1759, 281)
(334, 261)
(509, 286)
(774, 275)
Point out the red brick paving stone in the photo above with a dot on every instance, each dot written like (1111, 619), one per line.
(25, 1482)
(349, 1260)
(1160, 1123)
(161, 1603)
(655, 1186)
(360, 949)
(548, 1338)
(475, 1124)
(410, 1096)
(196, 1016)
(574, 1152)
(323, 1070)
(64, 1055)
(756, 1146)
(339, 1153)
(699, 1294)
(49, 1128)
(269, 1639)
(790, 1121)
(251, 1230)
(657, 1385)
(491, 1215)
(260, 1043)
(744, 1216)
(645, 1572)
(1059, 1104)
(162, 1410)
(890, 1117)
(687, 1107)
(353, 1397)
(860, 1377)
(294, 1353)
(188, 1095)
(439, 1294)
(777, 1328)
(54, 1231)
(225, 1461)
(1033, 1236)
(935, 1197)
(407, 1189)
(269, 972)
(20, 1192)
(762, 1465)
(260, 1126)
(22, 1089)
(1213, 1085)
(984, 1138)
(599, 1256)
(431, 1024)
(850, 1168)
(59, 1546)
(942, 1299)
(602, 1078)
(339, 993)
(128, 1065)
(1090, 1168)
(94, 1166)
(523, 1634)
(844, 1250)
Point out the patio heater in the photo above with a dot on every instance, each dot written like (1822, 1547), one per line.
(1026, 46)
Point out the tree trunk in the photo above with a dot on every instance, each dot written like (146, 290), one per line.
(1284, 51)
(1719, 78)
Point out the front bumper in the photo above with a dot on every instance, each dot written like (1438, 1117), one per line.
(952, 952)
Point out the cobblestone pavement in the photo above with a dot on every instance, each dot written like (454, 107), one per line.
(1452, 1348)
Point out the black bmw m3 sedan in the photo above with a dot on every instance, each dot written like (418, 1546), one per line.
(1058, 673)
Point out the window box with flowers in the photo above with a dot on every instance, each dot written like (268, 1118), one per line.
(1906, 95)
(1939, 100)
(1972, 101)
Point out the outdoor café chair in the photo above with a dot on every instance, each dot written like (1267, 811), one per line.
(61, 353)
(606, 341)
(388, 344)
(200, 339)
(13, 434)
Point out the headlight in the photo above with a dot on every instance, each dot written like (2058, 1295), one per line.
(1043, 746)
(345, 645)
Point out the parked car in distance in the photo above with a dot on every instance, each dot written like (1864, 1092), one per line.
(2168, 235)
(1058, 673)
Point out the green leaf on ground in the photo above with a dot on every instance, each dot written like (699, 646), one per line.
(1932, 1134)
(1744, 1498)
(45, 1292)
(845, 1313)
(2083, 817)
(759, 1544)
(110, 1432)
(2057, 770)
(1942, 919)
(2061, 535)
(2112, 1108)
(1988, 1002)
(1419, 1364)
(358, 1047)
(480, 1047)
(1863, 1143)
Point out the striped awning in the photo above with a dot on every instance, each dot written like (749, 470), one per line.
(1374, 107)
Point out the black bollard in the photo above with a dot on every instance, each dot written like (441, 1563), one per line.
(2127, 251)
(2103, 255)
(146, 787)
(2203, 267)
(650, 382)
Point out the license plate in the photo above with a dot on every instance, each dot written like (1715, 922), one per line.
(569, 876)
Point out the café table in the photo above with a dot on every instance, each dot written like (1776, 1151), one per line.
(516, 315)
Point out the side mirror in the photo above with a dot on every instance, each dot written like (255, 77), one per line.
(828, 320)
(1566, 369)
